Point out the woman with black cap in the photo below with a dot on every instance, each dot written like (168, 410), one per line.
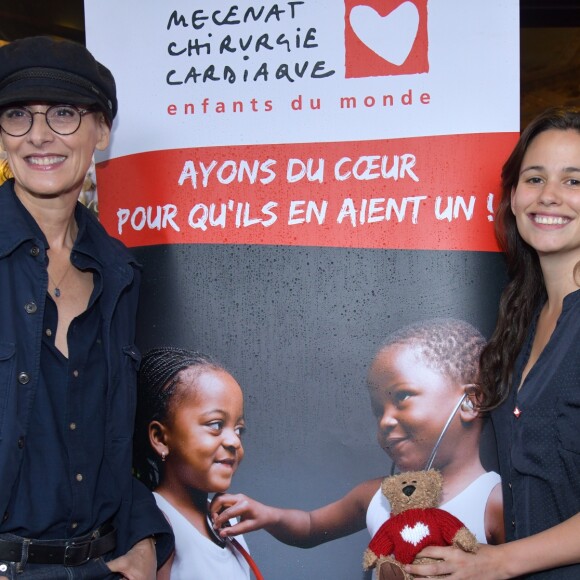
(69, 506)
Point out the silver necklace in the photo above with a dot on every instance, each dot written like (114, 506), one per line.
(57, 292)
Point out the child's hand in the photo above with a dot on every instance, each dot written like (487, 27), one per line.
(252, 514)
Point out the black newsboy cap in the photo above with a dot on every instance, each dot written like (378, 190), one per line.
(40, 68)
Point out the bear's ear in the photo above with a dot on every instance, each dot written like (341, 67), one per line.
(391, 489)
(432, 483)
(389, 486)
(433, 477)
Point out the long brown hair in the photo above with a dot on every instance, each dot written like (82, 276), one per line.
(526, 289)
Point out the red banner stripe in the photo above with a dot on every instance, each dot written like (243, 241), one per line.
(430, 193)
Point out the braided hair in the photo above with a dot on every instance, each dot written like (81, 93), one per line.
(158, 393)
(448, 345)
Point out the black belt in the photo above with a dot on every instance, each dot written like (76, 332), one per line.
(67, 553)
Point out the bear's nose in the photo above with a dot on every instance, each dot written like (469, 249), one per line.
(409, 490)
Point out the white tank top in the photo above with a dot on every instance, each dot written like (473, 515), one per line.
(197, 557)
(468, 505)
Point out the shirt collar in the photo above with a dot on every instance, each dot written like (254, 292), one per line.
(18, 226)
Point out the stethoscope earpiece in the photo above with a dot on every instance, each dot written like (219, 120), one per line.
(467, 405)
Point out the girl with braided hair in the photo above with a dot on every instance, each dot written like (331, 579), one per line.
(190, 420)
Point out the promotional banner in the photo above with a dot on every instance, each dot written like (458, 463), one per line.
(300, 180)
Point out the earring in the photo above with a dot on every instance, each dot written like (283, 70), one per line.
(163, 456)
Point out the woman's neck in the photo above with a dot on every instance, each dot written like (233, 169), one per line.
(559, 277)
(54, 216)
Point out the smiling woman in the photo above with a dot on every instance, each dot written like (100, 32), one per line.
(57, 104)
(50, 148)
(546, 199)
(531, 367)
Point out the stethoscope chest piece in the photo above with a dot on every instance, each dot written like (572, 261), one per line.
(222, 542)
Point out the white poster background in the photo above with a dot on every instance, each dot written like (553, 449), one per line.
(473, 78)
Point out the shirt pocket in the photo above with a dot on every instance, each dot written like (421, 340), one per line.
(568, 420)
(7, 380)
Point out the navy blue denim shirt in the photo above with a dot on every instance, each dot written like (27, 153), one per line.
(23, 296)
(539, 450)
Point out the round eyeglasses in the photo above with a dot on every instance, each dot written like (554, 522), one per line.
(62, 119)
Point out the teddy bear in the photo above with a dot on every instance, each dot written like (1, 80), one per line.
(415, 523)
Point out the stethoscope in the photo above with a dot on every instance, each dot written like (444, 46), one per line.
(463, 400)
(222, 542)
(245, 554)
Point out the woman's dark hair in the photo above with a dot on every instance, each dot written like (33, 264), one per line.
(526, 289)
(158, 381)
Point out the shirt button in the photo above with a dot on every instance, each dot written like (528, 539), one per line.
(79, 477)
(31, 307)
(513, 524)
(510, 484)
(23, 378)
(3, 567)
(34, 251)
(75, 373)
(5, 516)
(74, 525)
(72, 426)
(21, 443)
(48, 332)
